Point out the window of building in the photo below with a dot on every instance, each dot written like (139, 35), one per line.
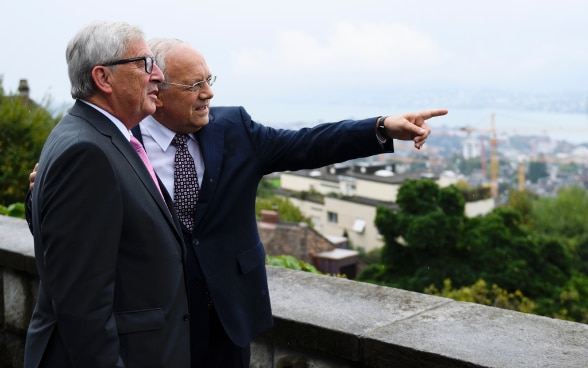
(332, 217)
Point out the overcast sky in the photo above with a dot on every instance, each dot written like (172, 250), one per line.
(323, 59)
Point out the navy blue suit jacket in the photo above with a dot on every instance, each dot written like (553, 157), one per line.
(237, 153)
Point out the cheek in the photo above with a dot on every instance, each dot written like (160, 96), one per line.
(178, 111)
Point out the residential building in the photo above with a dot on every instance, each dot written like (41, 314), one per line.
(341, 200)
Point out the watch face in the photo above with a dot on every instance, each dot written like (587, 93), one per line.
(382, 129)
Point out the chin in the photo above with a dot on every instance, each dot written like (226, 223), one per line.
(150, 109)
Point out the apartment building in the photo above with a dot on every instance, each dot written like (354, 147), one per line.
(350, 194)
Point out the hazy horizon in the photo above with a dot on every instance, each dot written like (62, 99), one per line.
(334, 59)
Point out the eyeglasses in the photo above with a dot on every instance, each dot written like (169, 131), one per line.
(149, 62)
(196, 86)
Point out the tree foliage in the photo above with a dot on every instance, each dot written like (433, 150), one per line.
(468, 166)
(535, 247)
(420, 240)
(291, 262)
(13, 210)
(566, 215)
(537, 170)
(24, 127)
(288, 212)
(480, 293)
(266, 187)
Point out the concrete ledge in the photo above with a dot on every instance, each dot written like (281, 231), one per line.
(328, 322)
(16, 245)
(385, 327)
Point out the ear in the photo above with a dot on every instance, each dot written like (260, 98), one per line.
(102, 77)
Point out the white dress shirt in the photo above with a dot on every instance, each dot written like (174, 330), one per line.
(157, 140)
(123, 129)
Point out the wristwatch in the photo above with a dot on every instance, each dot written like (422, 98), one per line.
(381, 130)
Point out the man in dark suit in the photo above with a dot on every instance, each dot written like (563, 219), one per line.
(109, 252)
(227, 282)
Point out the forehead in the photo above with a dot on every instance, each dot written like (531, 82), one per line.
(186, 65)
(137, 47)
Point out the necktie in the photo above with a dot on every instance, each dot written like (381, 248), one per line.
(141, 151)
(185, 182)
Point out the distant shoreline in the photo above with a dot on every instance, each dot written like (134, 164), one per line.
(571, 127)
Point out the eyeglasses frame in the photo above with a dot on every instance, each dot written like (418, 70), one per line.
(196, 86)
(133, 59)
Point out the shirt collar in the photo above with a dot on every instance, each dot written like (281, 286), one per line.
(123, 129)
(158, 132)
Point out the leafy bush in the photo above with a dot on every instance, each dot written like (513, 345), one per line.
(24, 127)
(291, 262)
(14, 210)
(480, 293)
(288, 212)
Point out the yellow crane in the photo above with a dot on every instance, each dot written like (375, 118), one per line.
(494, 163)
(493, 160)
(493, 156)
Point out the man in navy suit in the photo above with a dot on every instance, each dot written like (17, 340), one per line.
(227, 281)
(109, 253)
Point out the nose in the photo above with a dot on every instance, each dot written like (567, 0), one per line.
(206, 92)
(157, 75)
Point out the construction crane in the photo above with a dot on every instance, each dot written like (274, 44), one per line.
(493, 160)
(494, 163)
(521, 176)
(493, 156)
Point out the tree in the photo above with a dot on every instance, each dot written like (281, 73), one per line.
(266, 188)
(522, 201)
(564, 219)
(537, 170)
(503, 252)
(565, 215)
(24, 127)
(420, 239)
(430, 240)
(288, 212)
(468, 166)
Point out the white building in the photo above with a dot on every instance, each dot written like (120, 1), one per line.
(357, 191)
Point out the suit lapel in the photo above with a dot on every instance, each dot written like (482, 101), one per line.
(101, 123)
(211, 140)
(168, 204)
(139, 167)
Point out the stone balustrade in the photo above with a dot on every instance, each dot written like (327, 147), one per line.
(328, 322)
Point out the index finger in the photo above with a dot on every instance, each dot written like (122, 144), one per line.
(427, 114)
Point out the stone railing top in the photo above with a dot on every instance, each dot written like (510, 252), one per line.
(383, 326)
(16, 245)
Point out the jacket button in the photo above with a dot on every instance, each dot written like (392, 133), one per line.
(186, 317)
(195, 242)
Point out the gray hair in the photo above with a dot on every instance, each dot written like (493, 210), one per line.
(97, 43)
(162, 48)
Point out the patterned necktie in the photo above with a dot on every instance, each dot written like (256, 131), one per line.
(141, 151)
(185, 182)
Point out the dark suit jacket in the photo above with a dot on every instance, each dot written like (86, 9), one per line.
(237, 153)
(109, 254)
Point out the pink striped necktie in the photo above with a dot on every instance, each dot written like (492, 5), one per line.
(141, 151)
